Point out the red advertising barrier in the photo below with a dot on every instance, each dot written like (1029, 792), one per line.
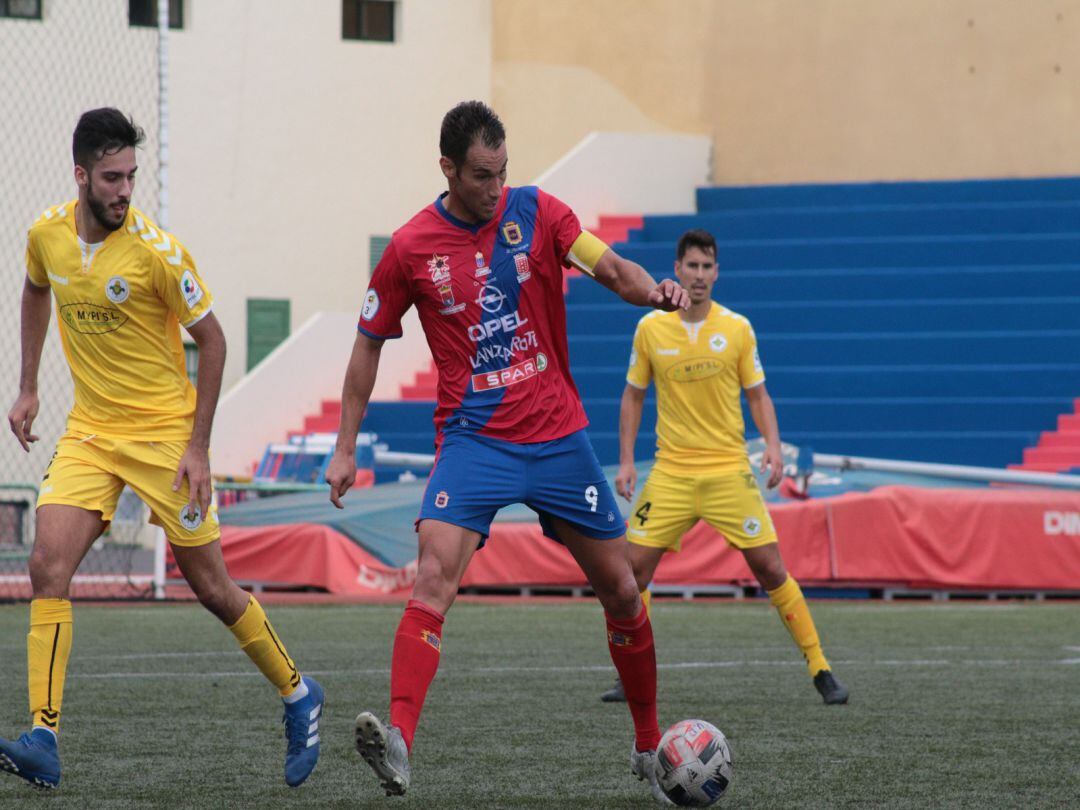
(934, 538)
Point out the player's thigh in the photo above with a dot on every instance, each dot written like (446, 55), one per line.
(62, 536)
(149, 468)
(567, 484)
(732, 504)
(606, 566)
(643, 562)
(664, 511)
(473, 478)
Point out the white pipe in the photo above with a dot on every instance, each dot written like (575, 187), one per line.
(163, 113)
(947, 471)
(159, 563)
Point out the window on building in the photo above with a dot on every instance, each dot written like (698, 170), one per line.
(268, 322)
(21, 9)
(372, 20)
(144, 14)
(377, 247)
(191, 359)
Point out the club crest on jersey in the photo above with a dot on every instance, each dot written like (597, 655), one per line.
(481, 268)
(442, 500)
(439, 267)
(718, 343)
(446, 294)
(511, 233)
(116, 289)
(521, 265)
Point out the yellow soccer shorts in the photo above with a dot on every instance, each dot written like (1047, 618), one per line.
(669, 506)
(90, 471)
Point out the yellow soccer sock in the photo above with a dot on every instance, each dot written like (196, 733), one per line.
(48, 646)
(646, 600)
(258, 639)
(795, 614)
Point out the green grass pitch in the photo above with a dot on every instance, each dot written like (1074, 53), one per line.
(953, 705)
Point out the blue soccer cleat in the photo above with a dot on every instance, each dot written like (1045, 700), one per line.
(34, 757)
(302, 734)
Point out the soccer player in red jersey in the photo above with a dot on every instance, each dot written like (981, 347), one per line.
(483, 265)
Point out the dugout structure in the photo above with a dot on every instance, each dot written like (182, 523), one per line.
(58, 59)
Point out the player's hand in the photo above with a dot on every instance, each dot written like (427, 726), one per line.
(21, 417)
(340, 475)
(773, 461)
(195, 466)
(669, 296)
(625, 481)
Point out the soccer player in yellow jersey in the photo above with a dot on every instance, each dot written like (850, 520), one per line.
(701, 359)
(123, 288)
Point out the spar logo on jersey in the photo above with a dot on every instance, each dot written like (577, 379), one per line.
(371, 305)
(491, 298)
(190, 289)
(511, 375)
(718, 343)
(116, 290)
(511, 233)
(439, 267)
(752, 526)
(190, 517)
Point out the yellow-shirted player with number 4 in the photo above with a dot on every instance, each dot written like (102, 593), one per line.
(123, 288)
(701, 361)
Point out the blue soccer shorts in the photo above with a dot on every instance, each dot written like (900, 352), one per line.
(476, 476)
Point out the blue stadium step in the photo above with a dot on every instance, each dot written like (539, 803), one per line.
(1038, 380)
(980, 449)
(858, 316)
(409, 441)
(399, 417)
(868, 284)
(892, 413)
(861, 221)
(1047, 189)
(872, 348)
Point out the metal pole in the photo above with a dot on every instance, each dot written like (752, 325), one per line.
(163, 113)
(947, 471)
(159, 563)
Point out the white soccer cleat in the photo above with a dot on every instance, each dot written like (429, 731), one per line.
(643, 766)
(383, 748)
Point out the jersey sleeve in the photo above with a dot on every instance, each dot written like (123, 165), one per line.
(389, 296)
(176, 280)
(35, 269)
(640, 372)
(751, 372)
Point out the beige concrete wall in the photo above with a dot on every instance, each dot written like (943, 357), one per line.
(802, 90)
(291, 146)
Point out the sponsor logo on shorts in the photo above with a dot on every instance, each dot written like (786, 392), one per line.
(616, 639)
(718, 343)
(442, 500)
(190, 517)
(90, 319)
(116, 290)
(752, 526)
(431, 638)
(190, 289)
(371, 305)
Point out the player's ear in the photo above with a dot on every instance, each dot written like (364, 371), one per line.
(82, 177)
(449, 170)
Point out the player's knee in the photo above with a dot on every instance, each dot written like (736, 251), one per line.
(213, 598)
(48, 574)
(621, 600)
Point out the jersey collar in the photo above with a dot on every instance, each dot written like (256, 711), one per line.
(471, 227)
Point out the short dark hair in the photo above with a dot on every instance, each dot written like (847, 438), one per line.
(467, 122)
(698, 238)
(100, 132)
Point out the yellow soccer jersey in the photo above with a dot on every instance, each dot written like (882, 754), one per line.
(120, 305)
(699, 370)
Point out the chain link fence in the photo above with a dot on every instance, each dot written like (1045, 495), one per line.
(73, 56)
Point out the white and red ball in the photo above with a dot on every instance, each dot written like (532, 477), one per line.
(693, 763)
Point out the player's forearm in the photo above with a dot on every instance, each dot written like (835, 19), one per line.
(631, 282)
(208, 385)
(629, 424)
(356, 390)
(36, 310)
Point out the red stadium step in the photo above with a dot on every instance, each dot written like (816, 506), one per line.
(423, 386)
(1069, 422)
(1066, 456)
(616, 228)
(1061, 439)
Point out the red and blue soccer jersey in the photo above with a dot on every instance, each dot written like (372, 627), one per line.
(490, 300)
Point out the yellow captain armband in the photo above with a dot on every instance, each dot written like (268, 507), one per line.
(585, 253)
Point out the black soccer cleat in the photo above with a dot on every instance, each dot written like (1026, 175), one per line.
(830, 689)
(615, 694)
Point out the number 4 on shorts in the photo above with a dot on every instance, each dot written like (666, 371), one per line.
(642, 514)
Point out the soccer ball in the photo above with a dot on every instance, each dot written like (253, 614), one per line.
(693, 763)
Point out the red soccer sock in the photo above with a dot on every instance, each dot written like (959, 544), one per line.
(631, 644)
(413, 665)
